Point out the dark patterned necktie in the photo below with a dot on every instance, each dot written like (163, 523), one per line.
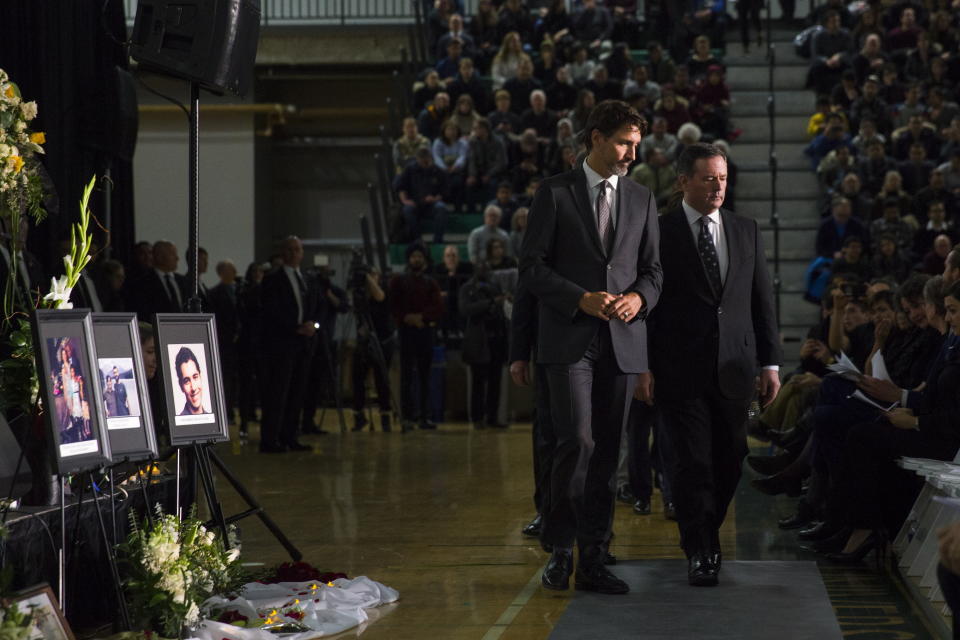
(603, 216)
(708, 253)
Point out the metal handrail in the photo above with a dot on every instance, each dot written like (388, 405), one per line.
(771, 117)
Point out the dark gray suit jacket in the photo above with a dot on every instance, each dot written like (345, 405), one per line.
(562, 258)
(699, 337)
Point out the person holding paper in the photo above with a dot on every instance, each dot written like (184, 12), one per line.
(926, 427)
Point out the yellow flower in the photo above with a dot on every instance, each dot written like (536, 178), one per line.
(38, 138)
(9, 91)
(17, 163)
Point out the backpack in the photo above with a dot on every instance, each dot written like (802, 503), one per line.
(803, 40)
(817, 278)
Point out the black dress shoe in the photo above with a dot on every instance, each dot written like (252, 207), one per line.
(819, 531)
(669, 511)
(609, 559)
(874, 541)
(359, 422)
(532, 530)
(624, 494)
(641, 507)
(802, 518)
(700, 571)
(716, 559)
(770, 465)
(296, 446)
(427, 425)
(833, 544)
(268, 447)
(775, 485)
(596, 577)
(556, 575)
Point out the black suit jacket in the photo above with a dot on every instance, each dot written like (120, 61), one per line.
(562, 258)
(150, 296)
(279, 319)
(699, 339)
(225, 305)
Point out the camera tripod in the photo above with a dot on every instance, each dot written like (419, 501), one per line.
(373, 353)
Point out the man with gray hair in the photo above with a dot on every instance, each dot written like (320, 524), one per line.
(479, 237)
(539, 118)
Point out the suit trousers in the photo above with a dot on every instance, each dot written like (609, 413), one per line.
(639, 461)
(544, 441)
(285, 368)
(588, 404)
(707, 441)
(416, 357)
(485, 380)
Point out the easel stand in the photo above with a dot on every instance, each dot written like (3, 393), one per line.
(203, 459)
(105, 538)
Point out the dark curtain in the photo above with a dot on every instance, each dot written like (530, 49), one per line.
(64, 54)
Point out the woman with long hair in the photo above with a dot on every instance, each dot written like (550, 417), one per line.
(464, 114)
(585, 104)
(507, 60)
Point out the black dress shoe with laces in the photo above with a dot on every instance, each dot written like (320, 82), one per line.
(700, 571)
(642, 507)
(802, 518)
(596, 577)
(556, 575)
(818, 531)
(532, 530)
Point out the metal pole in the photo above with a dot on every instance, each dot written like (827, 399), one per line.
(108, 206)
(193, 305)
(772, 115)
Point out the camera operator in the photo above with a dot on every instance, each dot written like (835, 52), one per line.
(374, 329)
(417, 306)
(484, 345)
(323, 361)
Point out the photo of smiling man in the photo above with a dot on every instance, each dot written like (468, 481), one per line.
(189, 371)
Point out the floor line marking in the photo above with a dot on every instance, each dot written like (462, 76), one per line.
(510, 613)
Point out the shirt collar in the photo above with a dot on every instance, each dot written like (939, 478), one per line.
(163, 274)
(594, 178)
(290, 270)
(693, 215)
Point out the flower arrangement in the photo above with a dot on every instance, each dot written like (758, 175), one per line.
(18, 374)
(20, 187)
(172, 567)
(16, 625)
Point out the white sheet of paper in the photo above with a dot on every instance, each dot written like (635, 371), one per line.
(862, 397)
(879, 366)
(845, 367)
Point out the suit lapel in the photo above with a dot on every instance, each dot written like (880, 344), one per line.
(585, 208)
(623, 207)
(735, 247)
(691, 254)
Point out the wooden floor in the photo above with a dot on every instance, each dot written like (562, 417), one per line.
(436, 515)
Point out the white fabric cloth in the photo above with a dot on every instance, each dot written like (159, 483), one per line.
(326, 610)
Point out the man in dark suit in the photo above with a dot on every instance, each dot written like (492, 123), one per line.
(714, 324)
(289, 326)
(160, 289)
(590, 257)
(223, 302)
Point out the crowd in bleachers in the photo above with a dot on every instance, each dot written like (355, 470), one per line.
(884, 149)
(501, 107)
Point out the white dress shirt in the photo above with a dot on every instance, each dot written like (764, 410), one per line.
(715, 227)
(295, 283)
(593, 188)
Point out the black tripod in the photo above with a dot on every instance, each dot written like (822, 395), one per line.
(202, 460)
(367, 333)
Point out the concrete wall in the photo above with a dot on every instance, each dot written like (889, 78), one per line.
(227, 194)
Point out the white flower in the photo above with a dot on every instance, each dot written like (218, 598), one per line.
(29, 110)
(193, 615)
(59, 293)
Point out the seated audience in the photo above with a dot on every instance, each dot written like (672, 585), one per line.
(479, 238)
(421, 189)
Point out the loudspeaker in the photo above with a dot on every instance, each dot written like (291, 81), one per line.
(210, 42)
(109, 116)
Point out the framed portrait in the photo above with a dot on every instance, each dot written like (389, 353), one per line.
(123, 387)
(192, 380)
(48, 622)
(67, 368)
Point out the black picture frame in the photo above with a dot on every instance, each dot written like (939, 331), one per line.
(206, 421)
(131, 429)
(65, 352)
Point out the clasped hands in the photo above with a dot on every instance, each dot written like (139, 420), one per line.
(607, 306)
